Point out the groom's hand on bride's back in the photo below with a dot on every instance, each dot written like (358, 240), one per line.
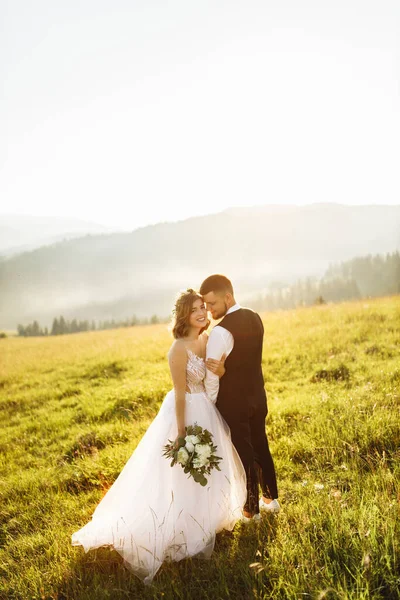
(216, 366)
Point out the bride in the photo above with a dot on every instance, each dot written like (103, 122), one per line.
(154, 512)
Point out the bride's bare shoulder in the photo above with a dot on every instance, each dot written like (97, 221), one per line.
(177, 350)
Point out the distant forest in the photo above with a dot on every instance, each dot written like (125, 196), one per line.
(362, 277)
(62, 326)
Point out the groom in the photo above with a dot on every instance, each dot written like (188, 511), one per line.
(240, 394)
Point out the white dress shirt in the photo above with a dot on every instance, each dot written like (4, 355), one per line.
(220, 341)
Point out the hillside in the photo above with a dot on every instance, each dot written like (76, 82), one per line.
(118, 275)
(23, 233)
(73, 409)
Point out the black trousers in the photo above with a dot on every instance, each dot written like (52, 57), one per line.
(251, 442)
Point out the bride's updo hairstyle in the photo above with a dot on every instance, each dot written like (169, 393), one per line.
(182, 311)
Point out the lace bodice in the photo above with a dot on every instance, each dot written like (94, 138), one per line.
(195, 373)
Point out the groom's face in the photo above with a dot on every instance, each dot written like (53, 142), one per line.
(216, 304)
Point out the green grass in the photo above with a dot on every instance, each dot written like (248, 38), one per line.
(73, 409)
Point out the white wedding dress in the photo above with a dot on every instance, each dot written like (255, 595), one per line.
(153, 512)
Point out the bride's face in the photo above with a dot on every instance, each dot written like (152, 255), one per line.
(198, 316)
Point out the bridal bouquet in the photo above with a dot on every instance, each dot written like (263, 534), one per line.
(195, 453)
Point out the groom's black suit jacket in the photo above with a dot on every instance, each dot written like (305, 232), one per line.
(241, 389)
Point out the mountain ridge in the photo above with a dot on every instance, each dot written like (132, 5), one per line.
(23, 233)
(116, 275)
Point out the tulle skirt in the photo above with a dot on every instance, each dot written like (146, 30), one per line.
(154, 512)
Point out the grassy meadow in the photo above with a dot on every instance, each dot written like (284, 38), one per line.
(73, 409)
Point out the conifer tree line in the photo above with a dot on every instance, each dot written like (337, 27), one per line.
(362, 277)
(62, 326)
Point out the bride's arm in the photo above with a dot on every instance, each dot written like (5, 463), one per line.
(216, 366)
(177, 358)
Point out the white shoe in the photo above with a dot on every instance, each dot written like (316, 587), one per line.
(255, 517)
(272, 507)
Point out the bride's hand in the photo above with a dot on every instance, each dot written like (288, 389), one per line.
(179, 438)
(216, 366)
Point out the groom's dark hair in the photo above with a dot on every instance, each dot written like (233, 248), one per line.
(216, 283)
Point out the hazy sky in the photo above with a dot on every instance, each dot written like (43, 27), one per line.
(136, 111)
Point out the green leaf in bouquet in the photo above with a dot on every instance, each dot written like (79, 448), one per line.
(207, 437)
(203, 480)
(199, 477)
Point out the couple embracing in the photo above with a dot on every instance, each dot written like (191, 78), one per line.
(154, 513)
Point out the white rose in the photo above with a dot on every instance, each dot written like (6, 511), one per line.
(183, 456)
(200, 461)
(189, 447)
(193, 439)
(203, 450)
